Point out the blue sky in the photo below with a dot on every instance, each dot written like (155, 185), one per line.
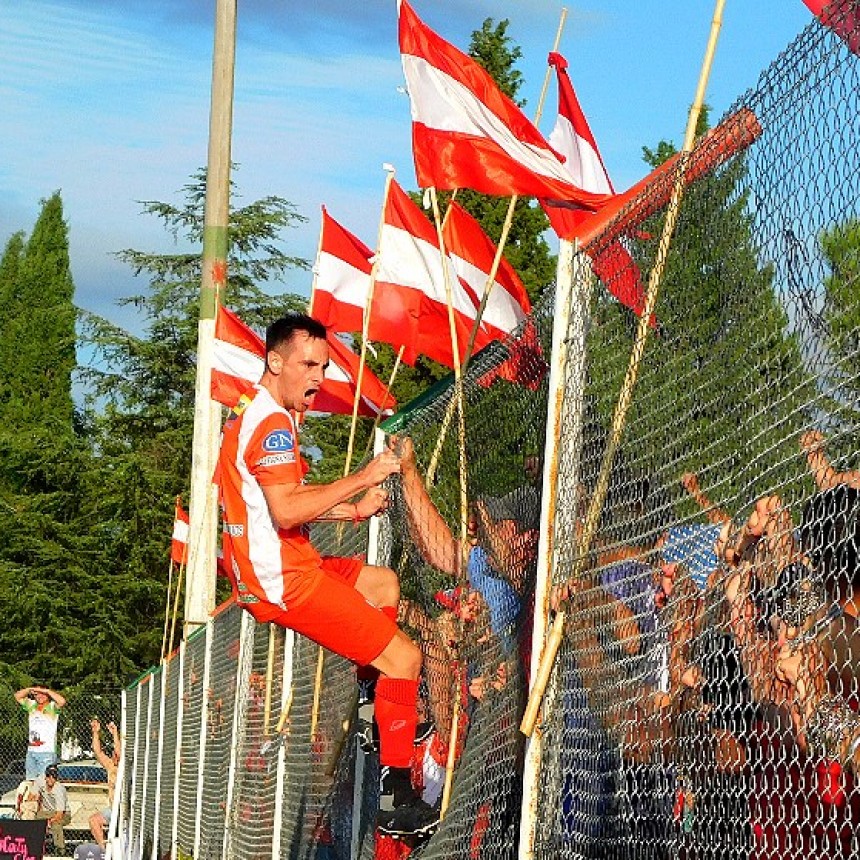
(109, 102)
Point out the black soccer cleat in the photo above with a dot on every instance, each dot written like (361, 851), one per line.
(402, 812)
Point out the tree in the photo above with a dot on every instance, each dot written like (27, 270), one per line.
(141, 399)
(722, 386)
(43, 459)
(841, 248)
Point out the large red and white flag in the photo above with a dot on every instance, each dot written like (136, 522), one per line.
(342, 277)
(239, 362)
(466, 133)
(842, 16)
(472, 253)
(179, 539)
(410, 283)
(572, 137)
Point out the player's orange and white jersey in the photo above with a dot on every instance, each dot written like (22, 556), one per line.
(260, 447)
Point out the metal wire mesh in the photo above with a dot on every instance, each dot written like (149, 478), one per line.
(193, 693)
(168, 762)
(219, 730)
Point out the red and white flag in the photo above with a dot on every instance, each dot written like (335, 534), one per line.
(338, 390)
(572, 137)
(466, 133)
(410, 283)
(179, 539)
(472, 253)
(239, 362)
(342, 277)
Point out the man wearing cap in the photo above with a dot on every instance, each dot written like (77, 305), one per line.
(54, 805)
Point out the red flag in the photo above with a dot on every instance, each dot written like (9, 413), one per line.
(525, 363)
(572, 137)
(337, 393)
(239, 363)
(472, 253)
(842, 16)
(179, 539)
(466, 133)
(342, 282)
(410, 283)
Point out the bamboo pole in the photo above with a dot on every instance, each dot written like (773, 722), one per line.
(164, 651)
(491, 276)
(270, 668)
(316, 264)
(200, 591)
(625, 396)
(365, 328)
(385, 398)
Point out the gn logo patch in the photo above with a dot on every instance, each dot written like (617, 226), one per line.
(279, 440)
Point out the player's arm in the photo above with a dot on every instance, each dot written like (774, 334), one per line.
(294, 504)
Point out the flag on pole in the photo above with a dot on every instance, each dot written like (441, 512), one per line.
(472, 253)
(466, 133)
(410, 285)
(179, 539)
(238, 360)
(842, 16)
(337, 394)
(572, 137)
(239, 363)
(342, 282)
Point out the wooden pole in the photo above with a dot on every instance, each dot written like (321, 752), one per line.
(164, 651)
(316, 264)
(596, 503)
(203, 508)
(491, 277)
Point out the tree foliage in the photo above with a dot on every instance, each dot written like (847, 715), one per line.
(711, 393)
(141, 404)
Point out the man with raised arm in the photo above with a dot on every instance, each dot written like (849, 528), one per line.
(278, 576)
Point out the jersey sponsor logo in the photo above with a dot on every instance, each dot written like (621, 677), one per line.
(276, 460)
(279, 440)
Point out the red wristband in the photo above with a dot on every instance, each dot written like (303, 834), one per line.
(355, 516)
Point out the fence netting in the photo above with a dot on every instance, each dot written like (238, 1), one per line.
(704, 701)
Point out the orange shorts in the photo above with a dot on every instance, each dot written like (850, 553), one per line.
(334, 614)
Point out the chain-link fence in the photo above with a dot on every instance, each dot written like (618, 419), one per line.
(704, 699)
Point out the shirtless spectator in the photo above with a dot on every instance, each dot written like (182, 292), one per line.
(100, 821)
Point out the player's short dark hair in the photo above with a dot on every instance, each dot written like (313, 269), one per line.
(281, 331)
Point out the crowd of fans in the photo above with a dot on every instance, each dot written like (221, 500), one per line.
(710, 689)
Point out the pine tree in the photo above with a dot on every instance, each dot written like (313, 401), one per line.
(43, 573)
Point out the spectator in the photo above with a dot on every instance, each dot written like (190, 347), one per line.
(100, 821)
(43, 710)
(53, 805)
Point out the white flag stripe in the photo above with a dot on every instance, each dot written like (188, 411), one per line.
(408, 261)
(180, 531)
(502, 311)
(583, 163)
(345, 282)
(447, 105)
(236, 361)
